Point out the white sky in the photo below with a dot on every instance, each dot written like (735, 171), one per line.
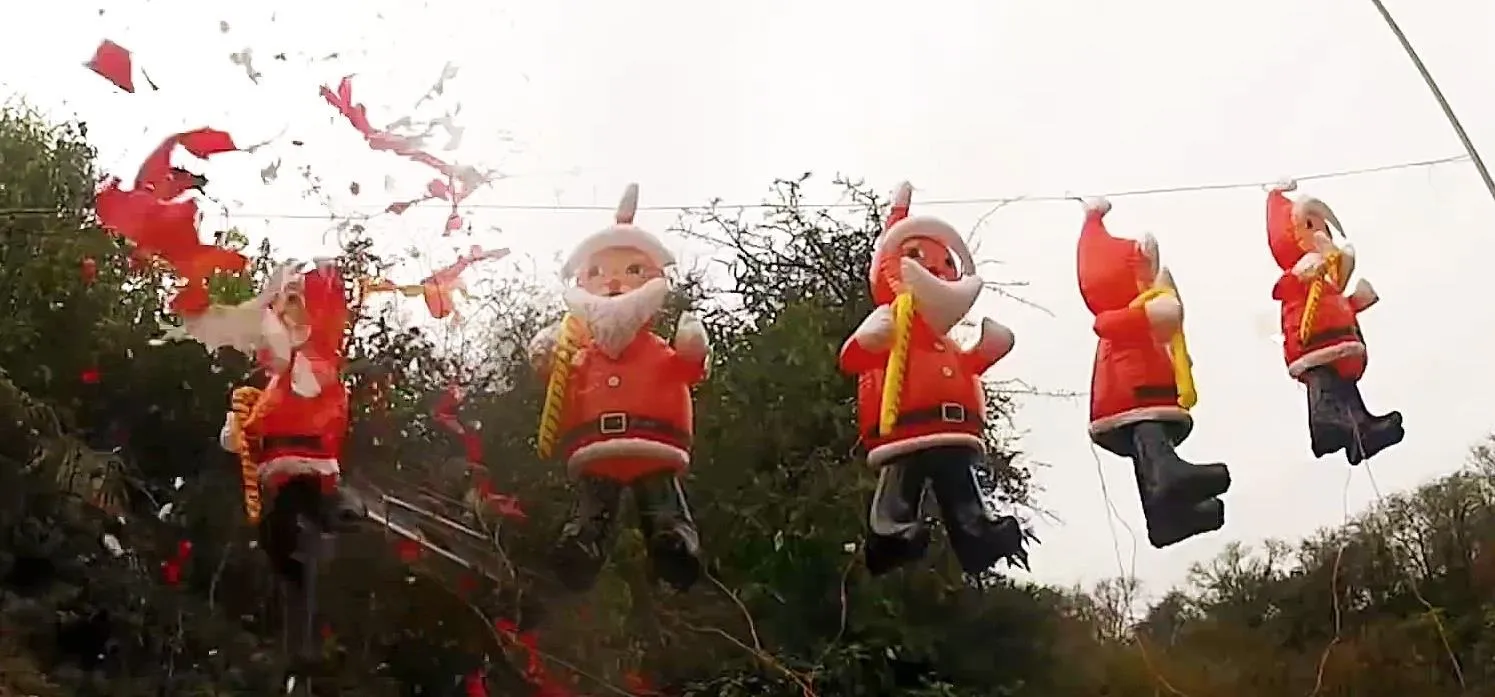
(574, 98)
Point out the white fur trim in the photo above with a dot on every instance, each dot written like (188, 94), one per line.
(294, 465)
(996, 341)
(880, 455)
(1101, 205)
(1138, 415)
(1284, 184)
(1324, 356)
(923, 226)
(875, 333)
(1166, 315)
(903, 196)
(1363, 297)
(625, 447)
(691, 340)
(304, 379)
(1308, 266)
(620, 235)
(627, 206)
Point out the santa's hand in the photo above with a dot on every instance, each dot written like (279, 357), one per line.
(1309, 266)
(1166, 315)
(690, 337)
(876, 332)
(1288, 184)
(542, 346)
(1363, 296)
(995, 343)
(243, 401)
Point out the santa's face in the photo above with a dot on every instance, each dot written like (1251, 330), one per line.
(616, 295)
(933, 256)
(617, 270)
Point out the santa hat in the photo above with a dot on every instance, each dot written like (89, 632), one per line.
(899, 228)
(622, 233)
(326, 302)
(1110, 268)
(1287, 224)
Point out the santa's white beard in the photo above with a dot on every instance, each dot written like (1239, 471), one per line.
(614, 321)
(939, 302)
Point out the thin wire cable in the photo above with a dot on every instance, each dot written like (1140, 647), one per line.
(1344, 497)
(1112, 517)
(985, 200)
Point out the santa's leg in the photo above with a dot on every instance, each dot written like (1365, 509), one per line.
(1164, 478)
(897, 533)
(587, 537)
(1167, 525)
(1371, 433)
(978, 538)
(343, 510)
(1331, 427)
(669, 530)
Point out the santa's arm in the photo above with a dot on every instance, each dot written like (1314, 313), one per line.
(995, 343)
(692, 349)
(542, 347)
(867, 348)
(226, 438)
(1161, 316)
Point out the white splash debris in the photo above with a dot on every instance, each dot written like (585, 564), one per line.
(165, 511)
(111, 543)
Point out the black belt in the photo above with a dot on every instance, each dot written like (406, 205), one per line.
(949, 412)
(1319, 338)
(269, 443)
(1155, 392)
(618, 423)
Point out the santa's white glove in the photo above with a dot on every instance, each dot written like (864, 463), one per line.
(1166, 315)
(996, 341)
(876, 332)
(690, 337)
(1363, 296)
(542, 346)
(1288, 184)
(1309, 266)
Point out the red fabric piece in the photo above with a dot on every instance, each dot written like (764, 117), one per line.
(408, 550)
(89, 376)
(150, 216)
(114, 63)
(455, 189)
(89, 270)
(475, 685)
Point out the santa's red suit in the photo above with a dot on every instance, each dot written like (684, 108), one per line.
(300, 426)
(938, 437)
(1135, 408)
(625, 419)
(1321, 339)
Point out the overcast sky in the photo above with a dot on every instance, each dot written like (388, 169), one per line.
(967, 99)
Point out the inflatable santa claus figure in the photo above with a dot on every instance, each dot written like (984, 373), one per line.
(1141, 388)
(1322, 342)
(920, 403)
(293, 428)
(618, 404)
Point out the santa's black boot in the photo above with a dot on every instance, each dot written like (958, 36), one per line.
(1168, 525)
(587, 537)
(1372, 433)
(1331, 427)
(344, 510)
(1163, 478)
(669, 531)
(978, 538)
(897, 535)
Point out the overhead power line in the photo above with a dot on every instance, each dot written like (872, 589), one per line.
(983, 200)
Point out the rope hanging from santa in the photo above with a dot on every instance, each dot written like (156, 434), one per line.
(618, 408)
(920, 402)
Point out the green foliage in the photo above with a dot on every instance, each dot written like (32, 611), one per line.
(97, 423)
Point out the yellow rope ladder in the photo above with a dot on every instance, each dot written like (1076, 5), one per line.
(555, 388)
(1178, 351)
